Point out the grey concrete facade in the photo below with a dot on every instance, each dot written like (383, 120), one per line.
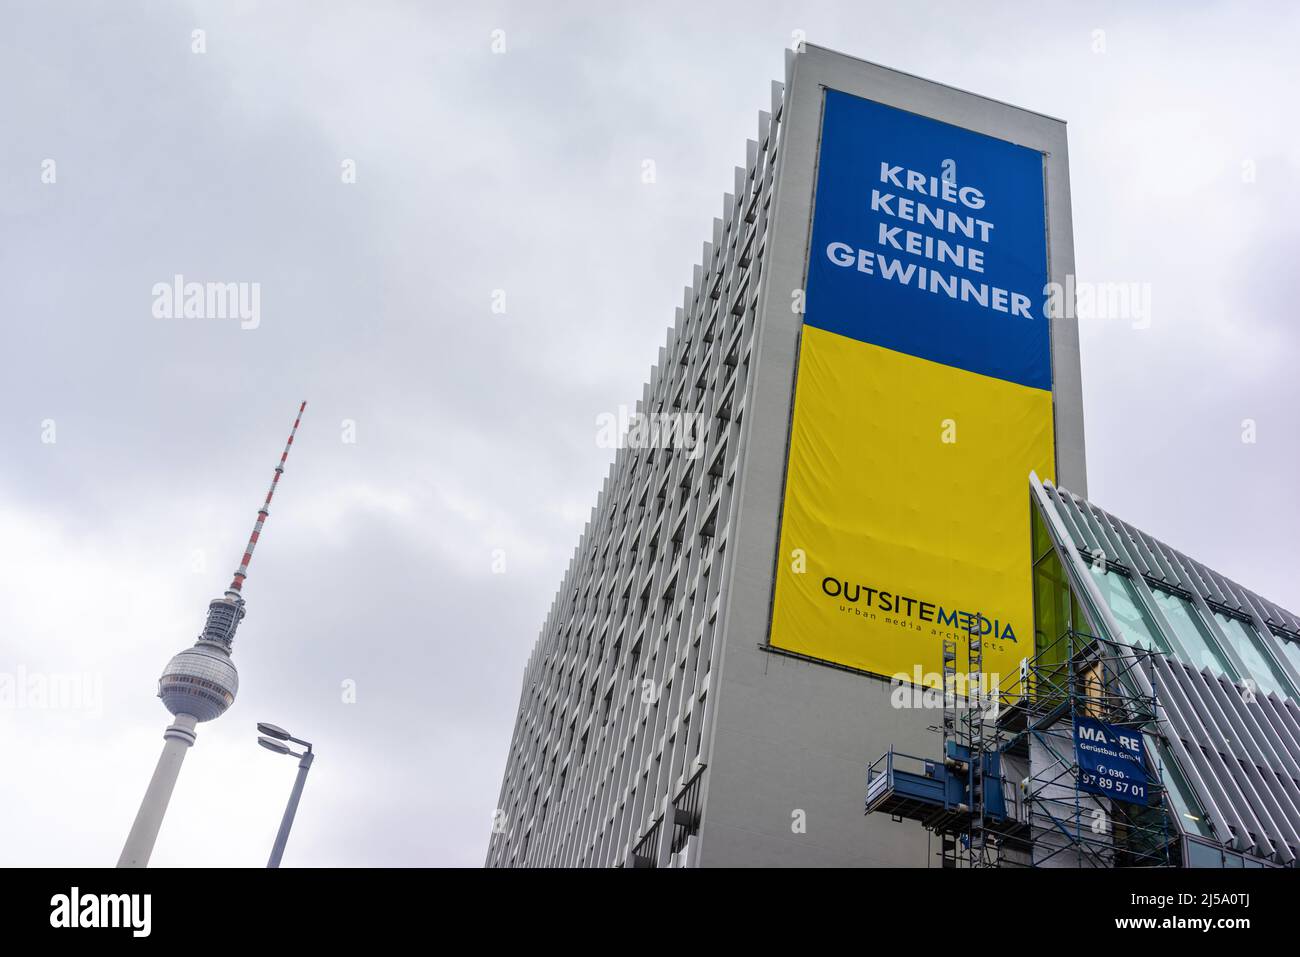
(610, 742)
(711, 749)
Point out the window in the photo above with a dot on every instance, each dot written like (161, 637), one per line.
(1203, 855)
(1291, 649)
(1190, 816)
(1056, 611)
(1052, 605)
(1191, 630)
(1243, 639)
(1136, 626)
(1042, 540)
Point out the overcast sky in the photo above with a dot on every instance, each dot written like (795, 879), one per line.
(136, 449)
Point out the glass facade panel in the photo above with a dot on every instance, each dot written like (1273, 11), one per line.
(1051, 607)
(1042, 540)
(1244, 642)
(1289, 648)
(1203, 855)
(1138, 629)
(1192, 631)
(1191, 818)
(1059, 622)
(1056, 610)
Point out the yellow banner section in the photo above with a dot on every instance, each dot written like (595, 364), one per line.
(906, 515)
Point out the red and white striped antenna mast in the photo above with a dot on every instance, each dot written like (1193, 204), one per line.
(238, 582)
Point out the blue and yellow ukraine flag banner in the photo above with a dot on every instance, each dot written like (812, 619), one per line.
(923, 398)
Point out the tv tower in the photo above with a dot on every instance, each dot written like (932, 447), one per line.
(198, 684)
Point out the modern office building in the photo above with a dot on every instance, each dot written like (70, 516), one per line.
(843, 491)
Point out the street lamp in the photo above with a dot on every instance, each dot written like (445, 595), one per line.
(270, 738)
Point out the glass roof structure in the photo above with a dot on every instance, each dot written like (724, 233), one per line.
(1225, 672)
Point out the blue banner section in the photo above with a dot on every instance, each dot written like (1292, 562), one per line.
(1112, 760)
(930, 240)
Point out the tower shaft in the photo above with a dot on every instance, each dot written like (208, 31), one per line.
(144, 832)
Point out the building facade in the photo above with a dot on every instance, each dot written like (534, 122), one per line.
(659, 723)
(830, 504)
(1220, 663)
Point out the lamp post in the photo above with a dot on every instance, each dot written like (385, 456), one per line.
(270, 738)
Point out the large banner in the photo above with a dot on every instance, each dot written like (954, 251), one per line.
(923, 398)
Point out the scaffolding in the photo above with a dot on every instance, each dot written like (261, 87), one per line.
(1008, 791)
(1083, 676)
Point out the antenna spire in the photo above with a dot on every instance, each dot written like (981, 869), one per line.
(265, 510)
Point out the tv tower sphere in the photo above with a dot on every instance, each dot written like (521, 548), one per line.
(201, 681)
(197, 685)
